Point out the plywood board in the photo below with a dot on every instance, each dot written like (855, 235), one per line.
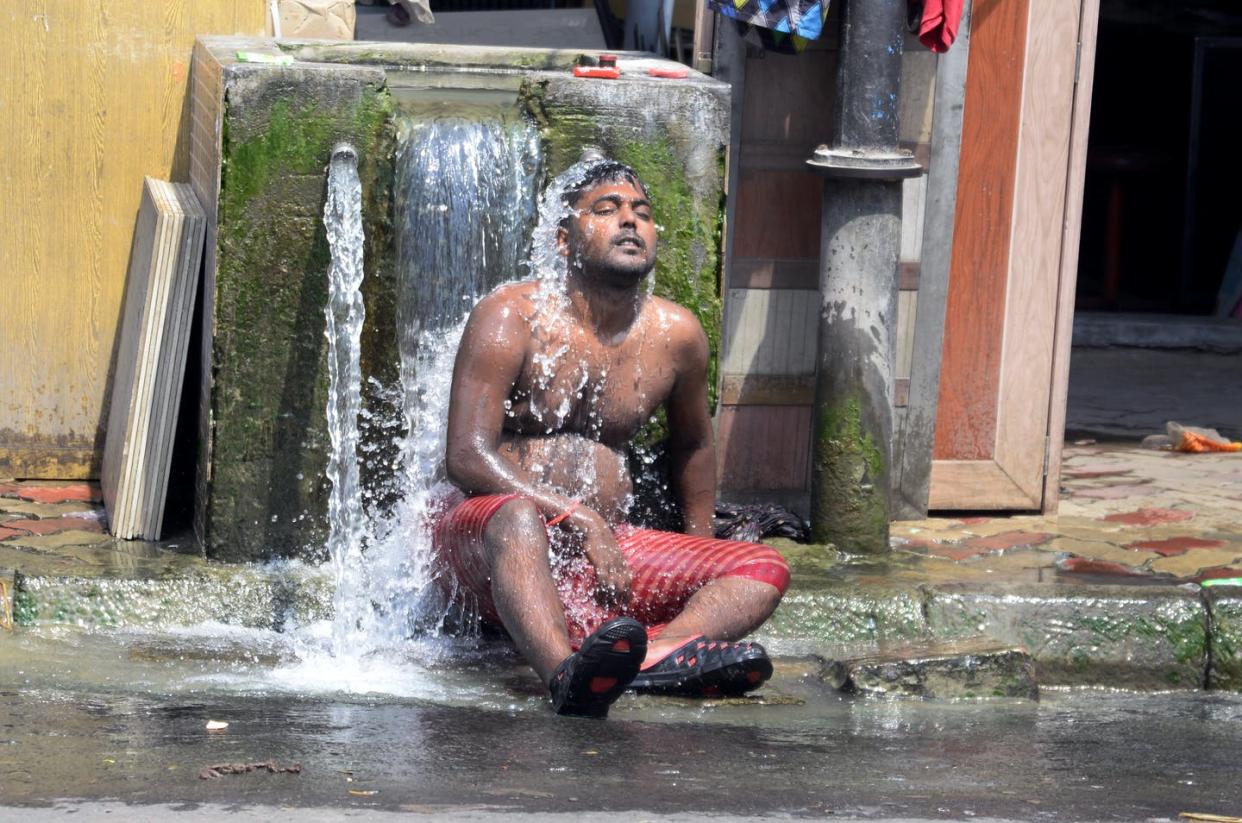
(770, 331)
(92, 97)
(154, 339)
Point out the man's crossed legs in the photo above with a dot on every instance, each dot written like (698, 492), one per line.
(693, 594)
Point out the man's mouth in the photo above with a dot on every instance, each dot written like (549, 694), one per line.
(629, 242)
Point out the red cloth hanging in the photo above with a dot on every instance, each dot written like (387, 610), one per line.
(940, 21)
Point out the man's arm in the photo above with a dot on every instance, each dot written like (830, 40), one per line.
(691, 448)
(489, 362)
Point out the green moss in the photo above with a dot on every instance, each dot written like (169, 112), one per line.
(270, 443)
(850, 502)
(25, 608)
(688, 259)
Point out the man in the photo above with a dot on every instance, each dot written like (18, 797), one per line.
(551, 383)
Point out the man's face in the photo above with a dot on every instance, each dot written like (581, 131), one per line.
(611, 235)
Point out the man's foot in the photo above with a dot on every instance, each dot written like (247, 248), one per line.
(589, 680)
(707, 668)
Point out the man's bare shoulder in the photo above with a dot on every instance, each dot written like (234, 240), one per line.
(680, 324)
(517, 295)
(507, 304)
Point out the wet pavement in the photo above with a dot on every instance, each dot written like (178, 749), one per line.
(91, 719)
(110, 676)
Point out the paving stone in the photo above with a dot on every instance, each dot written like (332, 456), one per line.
(1102, 568)
(1171, 546)
(1145, 637)
(73, 537)
(1192, 562)
(55, 525)
(1149, 517)
(32, 509)
(1116, 492)
(1225, 607)
(944, 670)
(54, 493)
(1101, 550)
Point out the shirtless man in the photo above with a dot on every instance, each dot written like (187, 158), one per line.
(548, 391)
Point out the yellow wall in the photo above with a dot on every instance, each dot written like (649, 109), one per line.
(93, 97)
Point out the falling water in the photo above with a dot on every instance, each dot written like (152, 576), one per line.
(465, 195)
(342, 218)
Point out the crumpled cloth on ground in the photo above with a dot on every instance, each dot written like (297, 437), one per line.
(754, 522)
(777, 25)
(1190, 439)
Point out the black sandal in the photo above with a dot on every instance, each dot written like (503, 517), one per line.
(707, 668)
(589, 680)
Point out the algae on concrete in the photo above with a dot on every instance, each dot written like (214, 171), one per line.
(852, 507)
(1148, 638)
(268, 441)
(1225, 619)
(675, 141)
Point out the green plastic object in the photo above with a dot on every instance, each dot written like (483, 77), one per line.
(1223, 581)
(260, 57)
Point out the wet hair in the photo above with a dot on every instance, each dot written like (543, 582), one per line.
(603, 171)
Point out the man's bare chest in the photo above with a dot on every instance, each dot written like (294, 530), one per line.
(572, 382)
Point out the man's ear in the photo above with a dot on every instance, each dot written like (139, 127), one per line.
(562, 240)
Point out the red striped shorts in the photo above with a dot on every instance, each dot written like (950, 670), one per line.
(666, 568)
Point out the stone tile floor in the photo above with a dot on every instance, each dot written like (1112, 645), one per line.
(1126, 515)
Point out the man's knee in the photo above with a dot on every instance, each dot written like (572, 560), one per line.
(765, 565)
(517, 526)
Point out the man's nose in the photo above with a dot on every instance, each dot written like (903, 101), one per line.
(628, 216)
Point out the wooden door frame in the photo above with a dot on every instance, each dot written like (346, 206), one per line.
(1040, 270)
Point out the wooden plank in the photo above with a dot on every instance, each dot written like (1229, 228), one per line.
(767, 390)
(974, 321)
(1036, 244)
(159, 304)
(770, 331)
(93, 96)
(915, 428)
(908, 275)
(729, 66)
(974, 484)
(775, 273)
(907, 312)
(779, 214)
(913, 195)
(1069, 252)
(763, 447)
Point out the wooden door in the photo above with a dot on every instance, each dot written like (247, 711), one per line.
(1004, 365)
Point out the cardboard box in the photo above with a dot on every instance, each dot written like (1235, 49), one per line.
(320, 19)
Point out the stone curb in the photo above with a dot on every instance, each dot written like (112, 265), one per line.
(1133, 637)
(235, 595)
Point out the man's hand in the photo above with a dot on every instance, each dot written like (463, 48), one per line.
(612, 575)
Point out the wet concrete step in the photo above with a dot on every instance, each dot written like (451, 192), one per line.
(260, 597)
(1133, 637)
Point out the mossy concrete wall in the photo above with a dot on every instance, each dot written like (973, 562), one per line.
(267, 491)
(263, 490)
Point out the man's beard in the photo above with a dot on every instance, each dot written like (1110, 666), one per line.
(625, 275)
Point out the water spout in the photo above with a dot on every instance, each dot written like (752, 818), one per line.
(342, 218)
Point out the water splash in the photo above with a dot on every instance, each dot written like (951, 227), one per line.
(465, 195)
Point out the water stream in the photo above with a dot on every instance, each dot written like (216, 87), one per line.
(465, 203)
